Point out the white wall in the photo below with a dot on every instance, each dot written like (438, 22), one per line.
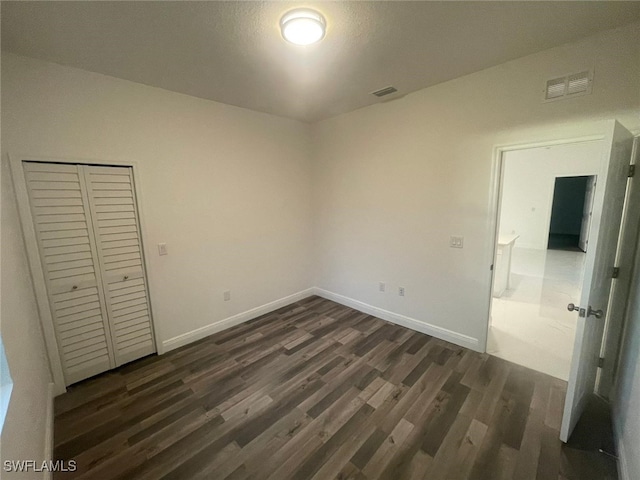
(24, 432)
(626, 403)
(229, 190)
(395, 180)
(226, 188)
(528, 185)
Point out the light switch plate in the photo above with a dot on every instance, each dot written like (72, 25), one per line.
(162, 249)
(456, 241)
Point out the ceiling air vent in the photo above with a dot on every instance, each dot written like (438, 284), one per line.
(568, 86)
(384, 91)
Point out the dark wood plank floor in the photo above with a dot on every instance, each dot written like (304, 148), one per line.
(316, 390)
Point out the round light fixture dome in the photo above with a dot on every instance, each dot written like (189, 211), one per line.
(302, 26)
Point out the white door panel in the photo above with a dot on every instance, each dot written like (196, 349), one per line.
(69, 261)
(111, 192)
(88, 235)
(606, 217)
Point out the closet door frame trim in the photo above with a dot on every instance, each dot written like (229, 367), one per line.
(33, 253)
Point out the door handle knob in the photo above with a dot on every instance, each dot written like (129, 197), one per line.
(572, 308)
(594, 313)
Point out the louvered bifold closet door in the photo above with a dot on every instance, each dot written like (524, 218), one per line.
(113, 207)
(62, 222)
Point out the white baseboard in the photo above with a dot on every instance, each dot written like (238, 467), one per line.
(48, 434)
(412, 323)
(229, 322)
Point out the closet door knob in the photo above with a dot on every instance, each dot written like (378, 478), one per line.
(75, 287)
(126, 277)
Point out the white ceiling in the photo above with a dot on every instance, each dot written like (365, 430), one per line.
(232, 52)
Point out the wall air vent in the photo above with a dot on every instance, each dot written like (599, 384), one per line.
(384, 91)
(569, 86)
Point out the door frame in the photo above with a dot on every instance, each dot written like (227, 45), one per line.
(552, 194)
(610, 349)
(495, 200)
(594, 180)
(33, 256)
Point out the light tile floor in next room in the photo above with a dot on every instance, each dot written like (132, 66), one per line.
(530, 323)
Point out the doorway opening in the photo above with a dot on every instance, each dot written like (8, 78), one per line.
(600, 293)
(543, 225)
(571, 213)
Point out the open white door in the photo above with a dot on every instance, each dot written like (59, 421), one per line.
(603, 239)
(586, 213)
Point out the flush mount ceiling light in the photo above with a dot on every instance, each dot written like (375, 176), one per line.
(303, 26)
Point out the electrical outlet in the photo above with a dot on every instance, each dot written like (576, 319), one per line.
(401, 291)
(456, 241)
(382, 286)
(227, 295)
(162, 249)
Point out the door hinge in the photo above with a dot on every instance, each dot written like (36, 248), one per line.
(616, 272)
(600, 362)
(632, 170)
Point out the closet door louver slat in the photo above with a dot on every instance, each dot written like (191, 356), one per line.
(112, 202)
(70, 264)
